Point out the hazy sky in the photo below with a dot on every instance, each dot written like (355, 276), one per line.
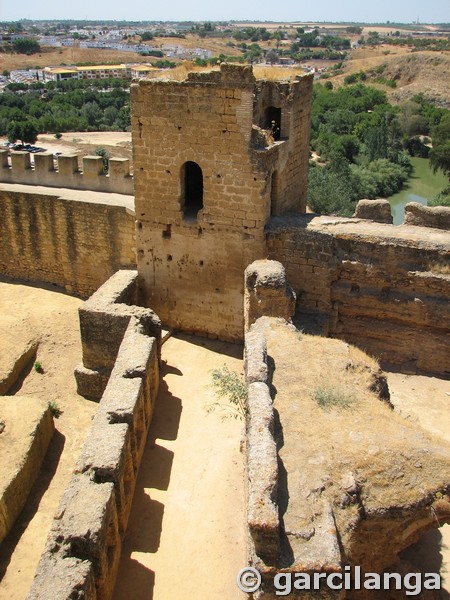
(405, 11)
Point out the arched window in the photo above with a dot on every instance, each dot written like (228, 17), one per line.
(191, 189)
(273, 121)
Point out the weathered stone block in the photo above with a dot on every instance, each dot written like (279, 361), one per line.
(62, 578)
(91, 383)
(375, 210)
(427, 216)
(92, 166)
(267, 292)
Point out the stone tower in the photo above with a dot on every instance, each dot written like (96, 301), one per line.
(214, 157)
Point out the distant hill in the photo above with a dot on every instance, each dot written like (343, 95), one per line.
(413, 72)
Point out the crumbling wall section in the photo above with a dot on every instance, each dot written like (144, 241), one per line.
(261, 454)
(56, 239)
(289, 173)
(83, 549)
(380, 287)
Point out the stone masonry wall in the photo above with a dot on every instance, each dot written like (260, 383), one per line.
(380, 287)
(51, 238)
(83, 549)
(104, 318)
(67, 173)
(190, 268)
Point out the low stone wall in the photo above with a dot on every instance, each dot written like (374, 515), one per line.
(266, 289)
(67, 173)
(437, 217)
(104, 318)
(72, 239)
(14, 362)
(261, 454)
(27, 430)
(83, 549)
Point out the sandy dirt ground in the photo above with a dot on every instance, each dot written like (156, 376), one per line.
(186, 537)
(426, 400)
(50, 317)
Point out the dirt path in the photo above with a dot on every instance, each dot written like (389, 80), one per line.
(186, 536)
(51, 317)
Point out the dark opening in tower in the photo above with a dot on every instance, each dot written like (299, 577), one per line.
(191, 189)
(273, 121)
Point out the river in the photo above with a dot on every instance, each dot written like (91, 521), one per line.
(421, 186)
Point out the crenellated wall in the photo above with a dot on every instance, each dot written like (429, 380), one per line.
(64, 172)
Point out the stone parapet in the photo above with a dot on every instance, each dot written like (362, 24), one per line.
(261, 453)
(381, 287)
(437, 217)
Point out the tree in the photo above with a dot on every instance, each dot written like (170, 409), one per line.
(146, 36)
(105, 156)
(29, 132)
(25, 131)
(14, 131)
(272, 57)
(440, 152)
(26, 46)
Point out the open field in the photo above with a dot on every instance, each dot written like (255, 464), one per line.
(216, 45)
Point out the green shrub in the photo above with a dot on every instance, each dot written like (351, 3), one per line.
(329, 398)
(38, 367)
(228, 384)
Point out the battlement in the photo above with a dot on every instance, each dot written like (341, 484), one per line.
(65, 172)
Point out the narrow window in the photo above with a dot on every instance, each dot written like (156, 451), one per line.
(191, 189)
(273, 121)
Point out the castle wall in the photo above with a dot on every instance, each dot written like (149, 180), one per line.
(67, 173)
(190, 268)
(380, 287)
(75, 240)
